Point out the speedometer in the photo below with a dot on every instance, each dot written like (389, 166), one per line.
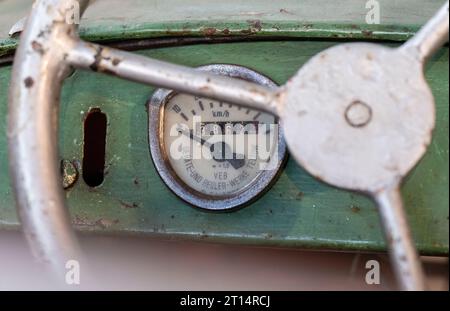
(212, 154)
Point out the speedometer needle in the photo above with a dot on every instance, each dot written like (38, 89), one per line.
(235, 161)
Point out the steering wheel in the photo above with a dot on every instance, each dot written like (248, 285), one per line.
(341, 122)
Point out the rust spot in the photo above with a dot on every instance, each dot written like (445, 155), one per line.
(246, 31)
(28, 82)
(367, 33)
(116, 61)
(69, 172)
(279, 94)
(355, 209)
(226, 31)
(37, 47)
(369, 56)
(209, 31)
(128, 205)
(106, 223)
(97, 59)
(284, 11)
(78, 220)
(83, 221)
(308, 26)
(136, 181)
(205, 88)
(255, 24)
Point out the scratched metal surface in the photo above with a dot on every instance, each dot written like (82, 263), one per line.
(298, 211)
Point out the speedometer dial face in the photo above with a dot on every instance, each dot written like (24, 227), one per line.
(212, 172)
(213, 154)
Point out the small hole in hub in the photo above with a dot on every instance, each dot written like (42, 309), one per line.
(358, 114)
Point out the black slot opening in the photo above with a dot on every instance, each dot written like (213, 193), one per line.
(94, 147)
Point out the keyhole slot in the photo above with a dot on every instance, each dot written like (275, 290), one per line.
(94, 147)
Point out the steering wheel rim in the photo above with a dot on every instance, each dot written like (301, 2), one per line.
(49, 47)
(37, 76)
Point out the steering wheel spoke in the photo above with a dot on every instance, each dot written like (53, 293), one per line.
(145, 70)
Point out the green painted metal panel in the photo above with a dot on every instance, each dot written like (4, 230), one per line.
(298, 211)
(107, 20)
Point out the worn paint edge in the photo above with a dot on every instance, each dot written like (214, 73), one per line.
(252, 29)
(307, 243)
